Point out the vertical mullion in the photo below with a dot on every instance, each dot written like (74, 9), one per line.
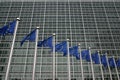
(110, 33)
(42, 39)
(116, 9)
(98, 36)
(8, 11)
(76, 40)
(7, 17)
(65, 29)
(71, 36)
(109, 25)
(26, 58)
(81, 10)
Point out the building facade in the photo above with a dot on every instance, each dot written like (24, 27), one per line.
(94, 24)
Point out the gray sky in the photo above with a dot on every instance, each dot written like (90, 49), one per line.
(60, 0)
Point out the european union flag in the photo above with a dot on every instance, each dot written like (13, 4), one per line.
(95, 58)
(77, 56)
(46, 43)
(118, 63)
(3, 30)
(73, 50)
(61, 47)
(84, 53)
(30, 37)
(11, 27)
(104, 60)
(87, 57)
(111, 62)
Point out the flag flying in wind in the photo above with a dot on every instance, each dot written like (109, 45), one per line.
(84, 53)
(75, 52)
(77, 55)
(87, 57)
(46, 42)
(61, 47)
(11, 27)
(118, 63)
(95, 58)
(30, 37)
(8, 28)
(72, 51)
(3, 30)
(104, 60)
(111, 62)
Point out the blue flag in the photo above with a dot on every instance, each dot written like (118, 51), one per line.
(95, 58)
(118, 63)
(11, 27)
(84, 53)
(46, 43)
(104, 60)
(3, 30)
(61, 47)
(77, 56)
(72, 51)
(30, 37)
(111, 62)
(87, 57)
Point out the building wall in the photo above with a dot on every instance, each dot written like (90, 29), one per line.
(92, 24)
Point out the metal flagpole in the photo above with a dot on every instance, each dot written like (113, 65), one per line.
(116, 69)
(53, 56)
(35, 55)
(11, 50)
(81, 62)
(108, 67)
(68, 59)
(56, 38)
(93, 75)
(100, 66)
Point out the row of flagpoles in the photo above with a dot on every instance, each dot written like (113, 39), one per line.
(60, 47)
(73, 51)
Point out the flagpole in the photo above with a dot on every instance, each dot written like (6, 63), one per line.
(81, 61)
(91, 64)
(116, 69)
(100, 66)
(109, 67)
(53, 56)
(35, 54)
(11, 50)
(68, 59)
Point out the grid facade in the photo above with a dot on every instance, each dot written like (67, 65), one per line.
(92, 24)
